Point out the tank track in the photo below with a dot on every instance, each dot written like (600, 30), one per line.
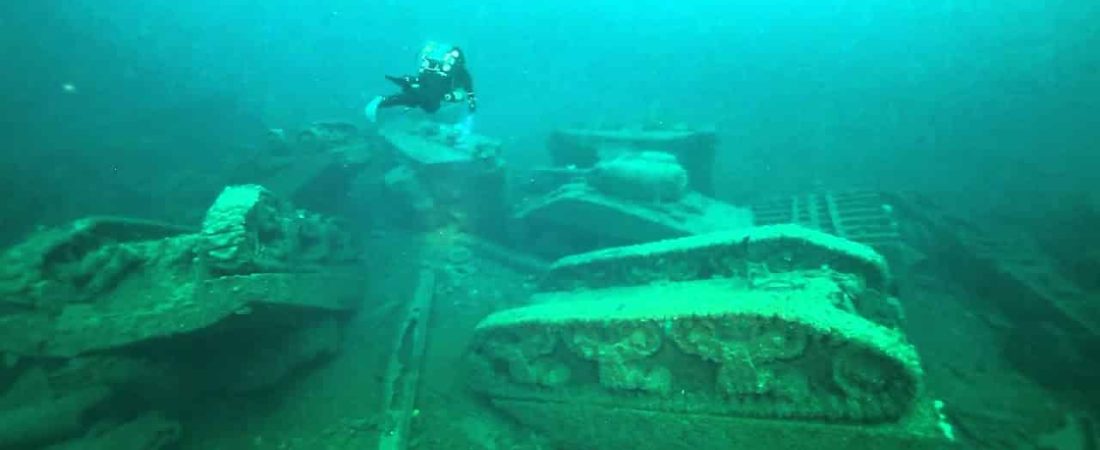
(698, 347)
(759, 324)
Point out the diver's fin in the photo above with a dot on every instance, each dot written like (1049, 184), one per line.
(371, 111)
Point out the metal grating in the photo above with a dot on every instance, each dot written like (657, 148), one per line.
(862, 216)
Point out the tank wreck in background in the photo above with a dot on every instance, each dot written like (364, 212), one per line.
(623, 186)
(114, 314)
(406, 288)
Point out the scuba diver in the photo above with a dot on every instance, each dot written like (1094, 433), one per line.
(442, 77)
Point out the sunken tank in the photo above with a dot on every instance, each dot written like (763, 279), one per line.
(774, 337)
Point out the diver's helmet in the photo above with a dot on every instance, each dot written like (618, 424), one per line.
(441, 58)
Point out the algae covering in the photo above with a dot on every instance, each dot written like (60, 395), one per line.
(775, 328)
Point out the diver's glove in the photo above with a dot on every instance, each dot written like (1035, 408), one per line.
(405, 82)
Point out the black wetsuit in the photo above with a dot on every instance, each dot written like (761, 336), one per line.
(430, 88)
